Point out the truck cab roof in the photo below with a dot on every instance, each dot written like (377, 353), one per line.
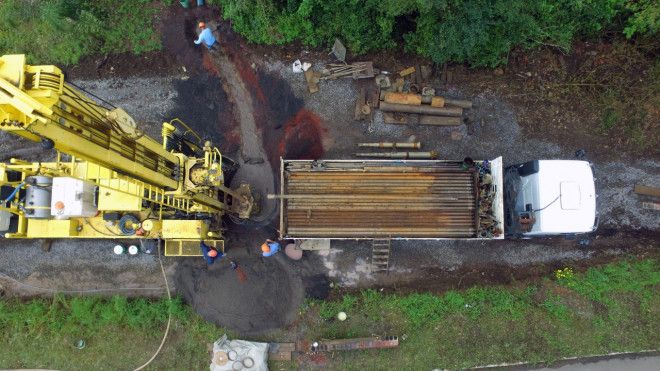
(562, 196)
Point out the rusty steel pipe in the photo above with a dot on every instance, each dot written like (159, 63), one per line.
(408, 197)
(440, 120)
(458, 103)
(412, 145)
(398, 155)
(426, 110)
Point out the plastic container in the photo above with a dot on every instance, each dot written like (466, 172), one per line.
(133, 250)
(119, 250)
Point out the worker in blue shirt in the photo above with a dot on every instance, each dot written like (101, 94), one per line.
(210, 254)
(270, 248)
(206, 36)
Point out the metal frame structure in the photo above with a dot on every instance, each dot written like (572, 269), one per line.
(368, 199)
(174, 189)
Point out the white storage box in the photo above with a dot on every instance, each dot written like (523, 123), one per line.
(72, 198)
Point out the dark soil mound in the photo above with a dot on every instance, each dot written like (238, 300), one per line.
(266, 297)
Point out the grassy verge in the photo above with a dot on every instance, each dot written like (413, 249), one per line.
(610, 308)
(119, 334)
(606, 309)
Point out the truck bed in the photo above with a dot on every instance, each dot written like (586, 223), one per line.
(378, 199)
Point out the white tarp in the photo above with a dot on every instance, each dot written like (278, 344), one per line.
(229, 355)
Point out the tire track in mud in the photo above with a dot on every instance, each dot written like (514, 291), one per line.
(255, 169)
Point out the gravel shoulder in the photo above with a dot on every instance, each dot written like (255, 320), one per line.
(492, 130)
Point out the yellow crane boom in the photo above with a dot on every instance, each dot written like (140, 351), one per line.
(115, 182)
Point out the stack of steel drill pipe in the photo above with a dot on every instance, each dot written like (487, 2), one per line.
(380, 204)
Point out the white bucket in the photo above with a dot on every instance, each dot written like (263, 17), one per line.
(119, 250)
(133, 250)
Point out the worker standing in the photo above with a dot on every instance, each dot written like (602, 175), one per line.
(205, 36)
(270, 248)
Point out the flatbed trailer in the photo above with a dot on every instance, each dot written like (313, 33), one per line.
(393, 199)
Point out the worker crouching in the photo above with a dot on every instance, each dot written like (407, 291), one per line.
(270, 248)
(210, 254)
(205, 36)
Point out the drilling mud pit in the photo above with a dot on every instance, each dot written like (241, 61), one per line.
(268, 298)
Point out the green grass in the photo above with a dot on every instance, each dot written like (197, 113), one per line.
(605, 309)
(119, 334)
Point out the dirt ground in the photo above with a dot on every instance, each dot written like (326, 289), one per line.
(251, 104)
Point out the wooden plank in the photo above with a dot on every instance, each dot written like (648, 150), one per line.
(280, 351)
(647, 190)
(359, 102)
(407, 71)
(312, 79)
(651, 206)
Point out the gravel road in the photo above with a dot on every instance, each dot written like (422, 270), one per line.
(493, 131)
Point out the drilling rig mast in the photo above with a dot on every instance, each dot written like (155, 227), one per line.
(108, 179)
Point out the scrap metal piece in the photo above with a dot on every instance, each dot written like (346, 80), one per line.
(339, 51)
(646, 190)
(403, 98)
(383, 81)
(312, 78)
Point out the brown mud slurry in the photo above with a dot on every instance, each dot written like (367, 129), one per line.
(302, 137)
(288, 130)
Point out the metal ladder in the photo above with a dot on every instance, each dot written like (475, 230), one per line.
(380, 255)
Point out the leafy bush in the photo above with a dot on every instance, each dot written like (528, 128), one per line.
(478, 32)
(63, 31)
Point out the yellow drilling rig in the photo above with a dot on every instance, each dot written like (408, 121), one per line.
(107, 178)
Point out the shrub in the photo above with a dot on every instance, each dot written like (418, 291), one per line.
(477, 32)
(63, 31)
